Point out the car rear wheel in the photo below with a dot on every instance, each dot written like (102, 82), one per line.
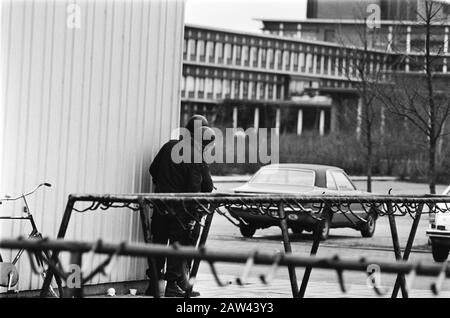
(440, 253)
(247, 230)
(368, 228)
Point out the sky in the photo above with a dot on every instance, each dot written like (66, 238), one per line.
(240, 14)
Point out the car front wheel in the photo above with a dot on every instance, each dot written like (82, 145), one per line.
(368, 229)
(440, 253)
(325, 228)
(247, 230)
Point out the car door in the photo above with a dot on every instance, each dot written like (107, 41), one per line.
(346, 187)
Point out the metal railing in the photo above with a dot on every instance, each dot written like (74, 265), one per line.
(275, 260)
(275, 206)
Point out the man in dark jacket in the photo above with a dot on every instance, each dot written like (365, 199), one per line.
(168, 182)
(177, 225)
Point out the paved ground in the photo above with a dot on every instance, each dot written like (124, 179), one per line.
(280, 288)
(347, 243)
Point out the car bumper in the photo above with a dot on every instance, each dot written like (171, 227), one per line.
(440, 237)
(263, 221)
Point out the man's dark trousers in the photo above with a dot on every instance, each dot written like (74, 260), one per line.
(180, 229)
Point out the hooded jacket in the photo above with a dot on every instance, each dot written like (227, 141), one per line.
(171, 177)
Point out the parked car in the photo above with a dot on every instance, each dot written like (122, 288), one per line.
(305, 179)
(439, 232)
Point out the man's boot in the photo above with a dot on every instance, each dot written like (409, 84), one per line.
(185, 286)
(173, 290)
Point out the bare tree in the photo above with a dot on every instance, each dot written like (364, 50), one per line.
(363, 68)
(418, 94)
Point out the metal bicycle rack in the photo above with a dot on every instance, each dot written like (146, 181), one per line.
(209, 204)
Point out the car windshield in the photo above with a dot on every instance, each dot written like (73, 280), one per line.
(284, 176)
(446, 191)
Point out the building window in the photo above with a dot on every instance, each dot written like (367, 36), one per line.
(255, 56)
(253, 92)
(201, 50)
(263, 58)
(437, 64)
(245, 89)
(296, 88)
(271, 58)
(201, 88)
(318, 63)
(209, 88)
(192, 47)
(279, 93)
(270, 89)
(278, 58)
(227, 88)
(237, 86)
(238, 52)
(210, 51)
(190, 84)
(262, 91)
(218, 87)
(353, 67)
(346, 67)
(245, 57)
(341, 66)
(219, 52)
(228, 53)
(333, 65)
(325, 64)
(287, 62)
(295, 61)
(309, 63)
(302, 62)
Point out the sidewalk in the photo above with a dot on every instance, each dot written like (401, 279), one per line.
(281, 288)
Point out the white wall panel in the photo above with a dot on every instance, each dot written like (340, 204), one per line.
(86, 110)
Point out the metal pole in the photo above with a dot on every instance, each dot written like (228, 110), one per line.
(145, 220)
(397, 250)
(408, 247)
(230, 256)
(288, 249)
(201, 243)
(45, 290)
(314, 249)
(221, 198)
(41, 262)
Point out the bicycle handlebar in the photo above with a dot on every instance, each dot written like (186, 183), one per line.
(8, 198)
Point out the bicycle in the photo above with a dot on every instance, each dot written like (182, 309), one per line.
(9, 275)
